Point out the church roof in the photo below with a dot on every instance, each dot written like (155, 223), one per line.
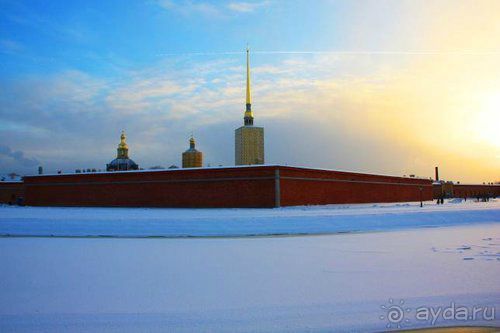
(123, 161)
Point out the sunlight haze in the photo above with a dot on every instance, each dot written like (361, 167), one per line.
(391, 87)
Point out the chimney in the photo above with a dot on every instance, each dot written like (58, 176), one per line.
(437, 174)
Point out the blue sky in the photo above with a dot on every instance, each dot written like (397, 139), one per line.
(98, 36)
(74, 74)
(106, 37)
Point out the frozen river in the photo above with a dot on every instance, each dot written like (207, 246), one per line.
(165, 222)
(262, 284)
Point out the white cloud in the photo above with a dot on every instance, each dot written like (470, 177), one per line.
(186, 7)
(159, 106)
(10, 46)
(246, 7)
(355, 114)
(208, 9)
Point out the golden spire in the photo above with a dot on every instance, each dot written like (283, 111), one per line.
(249, 96)
(248, 111)
(122, 147)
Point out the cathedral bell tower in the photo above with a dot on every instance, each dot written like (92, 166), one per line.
(249, 139)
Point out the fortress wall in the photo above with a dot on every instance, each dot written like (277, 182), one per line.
(253, 186)
(11, 192)
(474, 190)
(231, 187)
(317, 187)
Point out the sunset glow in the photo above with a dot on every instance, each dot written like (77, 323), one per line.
(377, 94)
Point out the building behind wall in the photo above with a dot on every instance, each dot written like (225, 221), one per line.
(192, 158)
(122, 162)
(249, 143)
(249, 139)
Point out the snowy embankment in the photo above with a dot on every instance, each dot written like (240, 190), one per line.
(271, 284)
(329, 283)
(159, 222)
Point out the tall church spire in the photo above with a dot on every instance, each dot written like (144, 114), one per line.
(248, 139)
(249, 97)
(248, 111)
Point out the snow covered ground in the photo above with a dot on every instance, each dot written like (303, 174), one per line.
(160, 222)
(332, 282)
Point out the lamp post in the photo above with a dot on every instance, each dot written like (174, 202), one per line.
(421, 203)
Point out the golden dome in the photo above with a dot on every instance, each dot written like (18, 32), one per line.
(192, 158)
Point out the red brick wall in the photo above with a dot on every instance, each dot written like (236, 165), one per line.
(317, 187)
(463, 190)
(437, 191)
(221, 187)
(231, 187)
(10, 192)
